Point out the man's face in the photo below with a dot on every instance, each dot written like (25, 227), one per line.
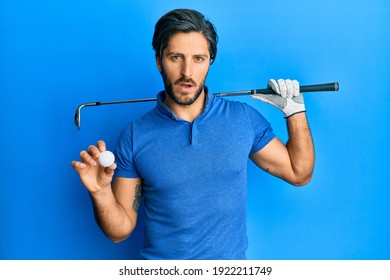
(184, 66)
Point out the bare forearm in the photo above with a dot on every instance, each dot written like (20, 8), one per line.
(110, 215)
(300, 148)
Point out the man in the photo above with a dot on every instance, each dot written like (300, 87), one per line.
(188, 156)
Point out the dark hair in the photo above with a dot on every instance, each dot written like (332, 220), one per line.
(183, 20)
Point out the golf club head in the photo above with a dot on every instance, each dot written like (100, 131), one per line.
(77, 115)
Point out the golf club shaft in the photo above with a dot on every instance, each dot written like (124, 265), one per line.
(308, 88)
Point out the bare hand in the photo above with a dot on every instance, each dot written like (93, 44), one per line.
(94, 176)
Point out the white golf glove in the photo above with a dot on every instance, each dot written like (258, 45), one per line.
(286, 97)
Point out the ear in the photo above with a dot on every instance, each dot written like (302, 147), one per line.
(158, 63)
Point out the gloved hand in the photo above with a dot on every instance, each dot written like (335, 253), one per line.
(286, 97)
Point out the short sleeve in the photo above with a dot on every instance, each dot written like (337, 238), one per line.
(263, 133)
(124, 154)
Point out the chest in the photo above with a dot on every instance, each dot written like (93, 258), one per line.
(182, 153)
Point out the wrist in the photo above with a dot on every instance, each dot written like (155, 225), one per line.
(100, 191)
(287, 116)
(297, 120)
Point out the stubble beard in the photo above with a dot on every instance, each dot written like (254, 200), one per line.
(182, 98)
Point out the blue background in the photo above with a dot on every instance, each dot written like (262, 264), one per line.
(55, 55)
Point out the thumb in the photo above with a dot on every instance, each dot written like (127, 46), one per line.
(109, 171)
(273, 99)
(105, 175)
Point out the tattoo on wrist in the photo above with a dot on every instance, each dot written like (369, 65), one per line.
(137, 198)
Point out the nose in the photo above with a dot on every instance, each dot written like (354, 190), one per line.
(186, 69)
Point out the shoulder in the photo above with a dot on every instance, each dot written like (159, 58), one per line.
(146, 119)
(242, 112)
(238, 107)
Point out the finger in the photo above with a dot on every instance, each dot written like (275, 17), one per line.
(282, 88)
(87, 158)
(290, 88)
(78, 165)
(94, 151)
(296, 87)
(101, 145)
(273, 85)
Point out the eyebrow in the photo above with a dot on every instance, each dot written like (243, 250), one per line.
(178, 53)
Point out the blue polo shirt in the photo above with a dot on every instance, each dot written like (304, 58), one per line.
(194, 177)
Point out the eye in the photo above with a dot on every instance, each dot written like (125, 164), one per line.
(199, 59)
(176, 57)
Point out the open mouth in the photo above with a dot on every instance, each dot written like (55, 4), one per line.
(185, 86)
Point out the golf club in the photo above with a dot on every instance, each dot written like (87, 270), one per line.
(308, 88)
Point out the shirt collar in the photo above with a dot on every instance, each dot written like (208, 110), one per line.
(166, 111)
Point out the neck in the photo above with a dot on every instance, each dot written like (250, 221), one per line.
(187, 112)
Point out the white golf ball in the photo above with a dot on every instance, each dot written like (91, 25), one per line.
(106, 158)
